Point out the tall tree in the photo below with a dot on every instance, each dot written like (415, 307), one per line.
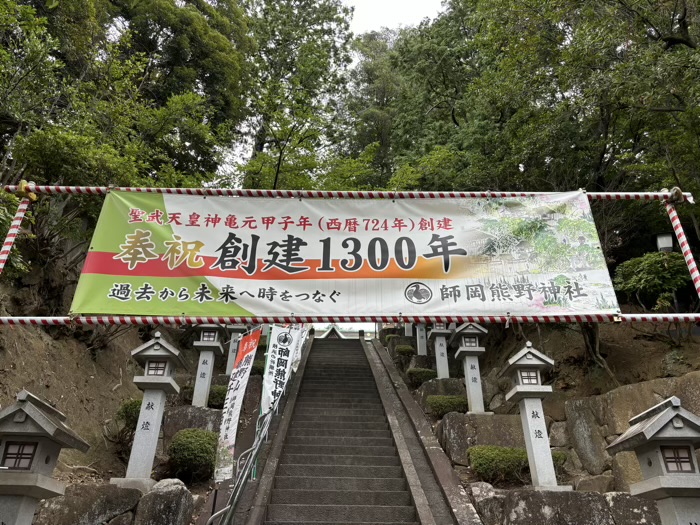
(302, 51)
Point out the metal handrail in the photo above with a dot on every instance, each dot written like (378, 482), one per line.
(242, 474)
(251, 457)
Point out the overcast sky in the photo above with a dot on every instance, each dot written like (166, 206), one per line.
(375, 14)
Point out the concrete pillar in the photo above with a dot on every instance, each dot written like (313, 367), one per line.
(472, 380)
(143, 452)
(266, 333)
(17, 510)
(202, 383)
(408, 329)
(232, 352)
(421, 339)
(443, 368)
(539, 455)
(679, 511)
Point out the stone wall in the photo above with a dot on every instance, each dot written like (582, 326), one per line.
(532, 507)
(582, 428)
(168, 503)
(594, 422)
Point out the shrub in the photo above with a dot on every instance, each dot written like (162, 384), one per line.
(441, 405)
(121, 429)
(217, 396)
(192, 454)
(559, 459)
(389, 338)
(498, 464)
(384, 333)
(258, 368)
(128, 413)
(405, 350)
(653, 278)
(418, 376)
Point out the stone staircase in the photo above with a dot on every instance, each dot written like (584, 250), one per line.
(339, 464)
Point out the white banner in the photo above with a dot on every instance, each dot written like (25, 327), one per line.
(297, 351)
(281, 347)
(190, 255)
(232, 406)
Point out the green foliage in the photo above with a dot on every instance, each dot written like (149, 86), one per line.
(192, 454)
(405, 350)
(441, 405)
(258, 368)
(389, 337)
(302, 49)
(494, 464)
(418, 376)
(652, 278)
(559, 458)
(120, 430)
(16, 265)
(128, 413)
(217, 396)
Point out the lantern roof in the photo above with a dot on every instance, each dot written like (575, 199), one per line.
(667, 421)
(528, 357)
(45, 421)
(158, 348)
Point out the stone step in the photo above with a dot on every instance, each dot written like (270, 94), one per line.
(338, 388)
(367, 425)
(341, 378)
(338, 432)
(341, 513)
(343, 450)
(340, 497)
(343, 369)
(348, 409)
(344, 523)
(361, 419)
(329, 459)
(340, 471)
(360, 404)
(320, 483)
(340, 441)
(334, 382)
(339, 395)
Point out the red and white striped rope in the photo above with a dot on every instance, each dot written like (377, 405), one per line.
(13, 232)
(313, 194)
(498, 319)
(685, 247)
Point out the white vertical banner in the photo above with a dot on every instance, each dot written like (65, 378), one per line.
(281, 344)
(232, 406)
(297, 349)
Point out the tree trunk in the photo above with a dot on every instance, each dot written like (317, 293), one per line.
(591, 337)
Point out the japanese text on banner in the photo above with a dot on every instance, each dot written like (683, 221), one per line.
(232, 406)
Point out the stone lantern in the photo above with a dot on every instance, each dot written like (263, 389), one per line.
(236, 331)
(439, 334)
(665, 438)
(467, 337)
(32, 434)
(159, 359)
(210, 346)
(525, 369)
